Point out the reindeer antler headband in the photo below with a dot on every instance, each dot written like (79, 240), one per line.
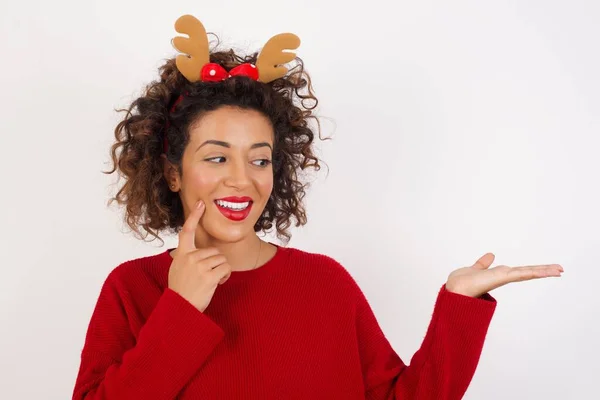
(195, 66)
(195, 63)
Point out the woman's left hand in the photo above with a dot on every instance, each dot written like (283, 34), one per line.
(479, 278)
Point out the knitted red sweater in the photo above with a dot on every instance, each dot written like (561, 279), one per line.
(299, 327)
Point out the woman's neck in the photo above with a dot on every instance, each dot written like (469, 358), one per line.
(243, 255)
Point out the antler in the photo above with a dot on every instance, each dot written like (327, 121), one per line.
(196, 46)
(272, 55)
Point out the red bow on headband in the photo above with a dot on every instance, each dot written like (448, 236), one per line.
(212, 72)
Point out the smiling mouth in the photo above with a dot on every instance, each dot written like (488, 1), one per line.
(233, 206)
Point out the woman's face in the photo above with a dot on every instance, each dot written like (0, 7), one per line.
(227, 164)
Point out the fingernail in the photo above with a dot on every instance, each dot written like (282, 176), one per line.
(199, 204)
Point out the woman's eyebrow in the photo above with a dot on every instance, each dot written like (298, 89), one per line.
(216, 142)
(225, 144)
(261, 144)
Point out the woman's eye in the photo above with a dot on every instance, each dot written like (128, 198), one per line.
(259, 163)
(212, 159)
(262, 163)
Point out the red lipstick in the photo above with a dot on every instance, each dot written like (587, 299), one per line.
(235, 215)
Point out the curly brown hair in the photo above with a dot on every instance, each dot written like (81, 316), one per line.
(288, 102)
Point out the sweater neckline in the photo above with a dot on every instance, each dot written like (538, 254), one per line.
(270, 266)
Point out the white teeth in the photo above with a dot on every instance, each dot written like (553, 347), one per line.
(233, 206)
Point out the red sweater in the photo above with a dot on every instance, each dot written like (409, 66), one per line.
(299, 327)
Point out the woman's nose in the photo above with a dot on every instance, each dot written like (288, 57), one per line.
(237, 174)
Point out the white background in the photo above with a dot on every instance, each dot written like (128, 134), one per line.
(459, 128)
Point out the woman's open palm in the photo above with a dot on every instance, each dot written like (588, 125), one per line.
(479, 278)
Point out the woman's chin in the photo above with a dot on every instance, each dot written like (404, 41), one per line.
(230, 233)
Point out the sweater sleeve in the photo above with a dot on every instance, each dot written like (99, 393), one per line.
(445, 363)
(172, 345)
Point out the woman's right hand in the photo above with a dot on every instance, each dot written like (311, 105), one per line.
(195, 273)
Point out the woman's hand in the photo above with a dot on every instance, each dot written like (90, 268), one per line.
(196, 273)
(479, 278)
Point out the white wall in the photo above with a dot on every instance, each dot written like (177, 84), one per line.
(459, 128)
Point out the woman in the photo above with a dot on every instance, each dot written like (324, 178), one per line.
(213, 151)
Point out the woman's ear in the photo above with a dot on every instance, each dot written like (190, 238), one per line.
(171, 174)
